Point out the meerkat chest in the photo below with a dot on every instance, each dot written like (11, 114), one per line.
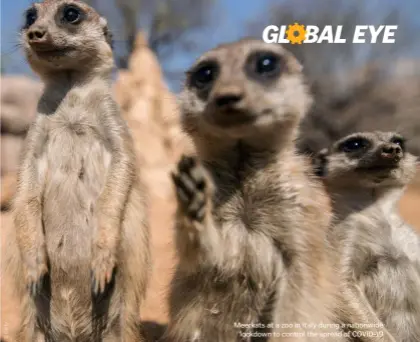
(378, 246)
(407, 241)
(75, 151)
(389, 268)
(257, 204)
(76, 121)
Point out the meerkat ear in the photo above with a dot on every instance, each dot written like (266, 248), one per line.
(107, 32)
(319, 162)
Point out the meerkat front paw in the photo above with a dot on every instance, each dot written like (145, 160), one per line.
(36, 269)
(192, 188)
(103, 267)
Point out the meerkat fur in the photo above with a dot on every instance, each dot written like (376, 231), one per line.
(252, 219)
(378, 253)
(80, 254)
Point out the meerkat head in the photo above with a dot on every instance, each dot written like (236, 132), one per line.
(241, 88)
(65, 35)
(368, 160)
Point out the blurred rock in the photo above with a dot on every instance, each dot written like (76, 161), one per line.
(151, 112)
(19, 97)
(11, 146)
(8, 188)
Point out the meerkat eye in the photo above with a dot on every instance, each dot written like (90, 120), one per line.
(31, 17)
(399, 141)
(72, 14)
(266, 64)
(263, 65)
(204, 75)
(354, 144)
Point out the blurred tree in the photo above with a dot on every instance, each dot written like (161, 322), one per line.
(325, 60)
(356, 86)
(168, 24)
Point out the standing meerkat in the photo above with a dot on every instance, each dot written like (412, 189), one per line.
(81, 226)
(378, 253)
(251, 221)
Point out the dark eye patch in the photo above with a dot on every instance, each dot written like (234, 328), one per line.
(31, 16)
(203, 76)
(354, 144)
(399, 141)
(72, 14)
(264, 65)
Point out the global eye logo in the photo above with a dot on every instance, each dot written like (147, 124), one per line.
(298, 34)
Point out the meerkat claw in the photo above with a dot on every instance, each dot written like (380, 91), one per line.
(190, 186)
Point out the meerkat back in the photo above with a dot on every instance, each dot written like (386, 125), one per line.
(251, 224)
(80, 216)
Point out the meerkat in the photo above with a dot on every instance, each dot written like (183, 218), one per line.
(81, 227)
(251, 219)
(378, 253)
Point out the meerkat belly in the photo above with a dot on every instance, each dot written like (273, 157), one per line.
(75, 170)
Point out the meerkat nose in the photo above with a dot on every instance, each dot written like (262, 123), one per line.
(37, 35)
(227, 96)
(227, 100)
(391, 152)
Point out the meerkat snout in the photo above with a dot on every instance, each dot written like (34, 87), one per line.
(37, 35)
(228, 99)
(391, 152)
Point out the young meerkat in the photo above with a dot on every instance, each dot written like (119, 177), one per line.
(81, 229)
(378, 253)
(251, 221)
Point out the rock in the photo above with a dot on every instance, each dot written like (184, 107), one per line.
(152, 115)
(11, 146)
(151, 112)
(19, 97)
(8, 189)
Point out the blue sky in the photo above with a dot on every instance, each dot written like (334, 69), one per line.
(232, 15)
(230, 22)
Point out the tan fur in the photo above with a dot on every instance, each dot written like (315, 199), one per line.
(251, 220)
(81, 228)
(378, 254)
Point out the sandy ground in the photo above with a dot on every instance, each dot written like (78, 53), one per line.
(154, 309)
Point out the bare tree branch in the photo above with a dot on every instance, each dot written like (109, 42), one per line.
(167, 23)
